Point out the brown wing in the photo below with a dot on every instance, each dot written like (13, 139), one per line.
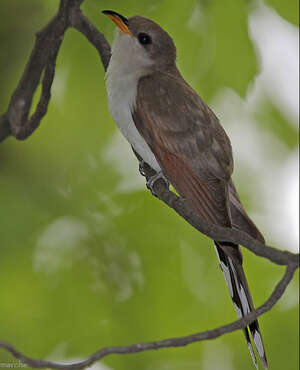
(187, 140)
(239, 217)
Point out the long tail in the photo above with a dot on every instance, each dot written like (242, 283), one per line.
(235, 278)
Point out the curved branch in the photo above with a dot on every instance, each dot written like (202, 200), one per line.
(15, 120)
(43, 55)
(167, 343)
(215, 232)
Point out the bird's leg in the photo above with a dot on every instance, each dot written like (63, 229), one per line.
(143, 170)
(152, 180)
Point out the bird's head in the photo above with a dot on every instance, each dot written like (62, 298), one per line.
(142, 43)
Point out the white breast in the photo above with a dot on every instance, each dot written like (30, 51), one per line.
(121, 81)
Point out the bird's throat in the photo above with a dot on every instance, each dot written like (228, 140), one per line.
(121, 84)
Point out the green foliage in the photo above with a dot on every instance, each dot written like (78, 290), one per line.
(85, 263)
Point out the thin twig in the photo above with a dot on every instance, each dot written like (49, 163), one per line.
(15, 120)
(47, 44)
(167, 343)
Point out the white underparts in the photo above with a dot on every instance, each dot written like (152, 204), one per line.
(127, 65)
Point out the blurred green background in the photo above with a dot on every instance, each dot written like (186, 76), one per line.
(88, 258)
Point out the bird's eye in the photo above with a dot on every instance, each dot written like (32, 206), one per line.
(144, 39)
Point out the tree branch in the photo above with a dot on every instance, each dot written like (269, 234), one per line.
(215, 232)
(167, 343)
(15, 120)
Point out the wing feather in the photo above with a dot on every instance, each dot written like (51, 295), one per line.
(187, 140)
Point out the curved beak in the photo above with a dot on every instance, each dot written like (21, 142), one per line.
(119, 20)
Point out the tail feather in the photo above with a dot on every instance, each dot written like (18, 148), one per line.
(250, 347)
(258, 341)
(240, 295)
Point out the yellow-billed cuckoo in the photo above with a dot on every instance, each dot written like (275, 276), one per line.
(179, 136)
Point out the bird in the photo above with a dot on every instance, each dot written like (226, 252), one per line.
(173, 130)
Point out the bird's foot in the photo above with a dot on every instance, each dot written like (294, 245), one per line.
(152, 180)
(142, 167)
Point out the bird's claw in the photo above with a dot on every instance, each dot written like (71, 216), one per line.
(142, 168)
(152, 180)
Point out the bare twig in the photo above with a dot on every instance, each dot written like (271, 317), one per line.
(15, 120)
(42, 56)
(167, 343)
